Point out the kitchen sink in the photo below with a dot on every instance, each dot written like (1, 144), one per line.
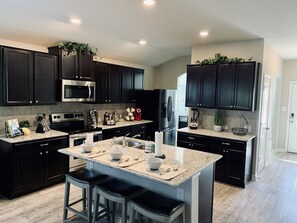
(130, 143)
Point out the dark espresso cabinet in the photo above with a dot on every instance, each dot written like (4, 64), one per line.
(235, 167)
(237, 86)
(77, 66)
(132, 83)
(32, 165)
(201, 86)
(28, 77)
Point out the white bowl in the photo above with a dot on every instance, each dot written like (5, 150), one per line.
(116, 152)
(154, 163)
(87, 147)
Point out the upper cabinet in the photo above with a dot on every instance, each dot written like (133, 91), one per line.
(201, 85)
(28, 77)
(237, 86)
(77, 66)
(223, 86)
(108, 83)
(132, 82)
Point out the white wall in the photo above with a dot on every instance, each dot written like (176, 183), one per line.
(289, 74)
(165, 75)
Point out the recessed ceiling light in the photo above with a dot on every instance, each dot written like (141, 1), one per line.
(142, 42)
(204, 33)
(149, 2)
(75, 20)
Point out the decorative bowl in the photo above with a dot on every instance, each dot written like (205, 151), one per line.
(116, 152)
(87, 147)
(154, 163)
(239, 131)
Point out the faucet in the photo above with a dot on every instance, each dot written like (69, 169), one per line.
(126, 140)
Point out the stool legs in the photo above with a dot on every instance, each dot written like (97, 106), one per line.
(66, 200)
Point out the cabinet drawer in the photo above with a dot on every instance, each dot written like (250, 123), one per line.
(227, 144)
(25, 147)
(137, 128)
(109, 133)
(192, 138)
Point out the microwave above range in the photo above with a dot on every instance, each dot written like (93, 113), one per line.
(78, 91)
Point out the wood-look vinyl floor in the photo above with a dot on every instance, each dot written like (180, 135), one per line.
(270, 199)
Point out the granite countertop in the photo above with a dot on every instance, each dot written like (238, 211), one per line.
(124, 124)
(191, 160)
(224, 135)
(34, 136)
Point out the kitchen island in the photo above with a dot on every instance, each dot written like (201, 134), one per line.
(192, 182)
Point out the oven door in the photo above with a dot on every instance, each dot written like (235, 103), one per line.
(76, 140)
(78, 91)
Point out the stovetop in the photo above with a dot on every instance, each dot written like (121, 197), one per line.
(71, 123)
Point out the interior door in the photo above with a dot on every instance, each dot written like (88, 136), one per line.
(263, 145)
(292, 129)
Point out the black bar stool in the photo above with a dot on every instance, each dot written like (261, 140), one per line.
(157, 207)
(116, 191)
(85, 179)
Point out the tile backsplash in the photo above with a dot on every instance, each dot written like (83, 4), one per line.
(31, 112)
(232, 119)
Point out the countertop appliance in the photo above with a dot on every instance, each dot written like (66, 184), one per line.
(159, 105)
(74, 125)
(78, 91)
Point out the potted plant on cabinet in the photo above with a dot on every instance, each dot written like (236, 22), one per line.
(218, 121)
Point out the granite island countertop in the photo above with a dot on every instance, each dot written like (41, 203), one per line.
(191, 160)
(124, 124)
(34, 136)
(211, 133)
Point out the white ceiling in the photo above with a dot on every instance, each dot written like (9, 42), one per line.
(171, 27)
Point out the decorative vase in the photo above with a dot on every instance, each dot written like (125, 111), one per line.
(217, 128)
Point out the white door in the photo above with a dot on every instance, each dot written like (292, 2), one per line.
(292, 130)
(264, 124)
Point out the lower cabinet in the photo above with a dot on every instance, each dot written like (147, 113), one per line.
(235, 167)
(29, 166)
(141, 129)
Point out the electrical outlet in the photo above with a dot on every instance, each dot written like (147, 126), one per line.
(180, 194)
(225, 127)
(248, 127)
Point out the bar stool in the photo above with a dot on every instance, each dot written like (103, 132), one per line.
(85, 179)
(116, 191)
(157, 207)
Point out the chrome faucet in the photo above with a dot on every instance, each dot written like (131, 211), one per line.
(127, 140)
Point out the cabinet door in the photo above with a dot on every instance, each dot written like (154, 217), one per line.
(18, 76)
(137, 83)
(245, 86)
(114, 84)
(208, 86)
(226, 84)
(85, 65)
(127, 84)
(45, 73)
(193, 86)
(55, 166)
(28, 171)
(235, 165)
(68, 65)
(101, 79)
(220, 164)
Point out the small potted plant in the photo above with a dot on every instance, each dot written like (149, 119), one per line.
(218, 121)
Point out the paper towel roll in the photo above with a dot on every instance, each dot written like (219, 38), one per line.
(158, 143)
(89, 138)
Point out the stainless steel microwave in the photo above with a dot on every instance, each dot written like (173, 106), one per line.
(78, 91)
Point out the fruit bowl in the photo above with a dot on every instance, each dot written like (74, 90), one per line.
(239, 131)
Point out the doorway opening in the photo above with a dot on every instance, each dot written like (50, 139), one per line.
(181, 109)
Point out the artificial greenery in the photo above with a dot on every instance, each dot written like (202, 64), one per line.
(219, 58)
(25, 124)
(74, 47)
(219, 118)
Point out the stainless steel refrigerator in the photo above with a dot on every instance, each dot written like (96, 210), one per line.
(159, 106)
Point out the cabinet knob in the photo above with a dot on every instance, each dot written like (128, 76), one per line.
(105, 100)
(40, 153)
(76, 76)
(81, 77)
(36, 101)
(226, 151)
(30, 102)
(46, 152)
(109, 100)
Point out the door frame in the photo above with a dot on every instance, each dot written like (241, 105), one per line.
(288, 113)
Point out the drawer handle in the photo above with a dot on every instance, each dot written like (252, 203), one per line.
(117, 131)
(191, 137)
(44, 144)
(143, 127)
(40, 153)
(226, 143)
